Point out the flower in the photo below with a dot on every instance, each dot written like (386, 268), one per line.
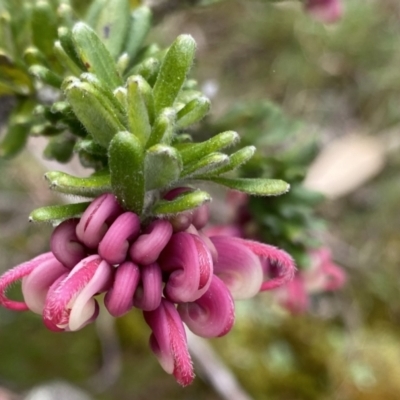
(322, 276)
(326, 11)
(170, 269)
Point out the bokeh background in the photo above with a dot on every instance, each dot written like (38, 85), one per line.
(341, 81)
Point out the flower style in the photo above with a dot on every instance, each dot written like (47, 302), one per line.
(170, 269)
(326, 11)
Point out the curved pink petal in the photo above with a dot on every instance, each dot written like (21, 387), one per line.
(147, 248)
(119, 299)
(281, 260)
(179, 222)
(213, 314)
(223, 230)
(201, 216)
(95, 220)
(189, 263)
(149, 292)
(70, 305)
(65, 245)
(168, 342)
(14, 275)
(335, 277)
(326, 11)
(293, 296)
(238, 267)
(115, 244)
(36, 285)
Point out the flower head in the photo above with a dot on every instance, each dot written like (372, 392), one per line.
(169, 269)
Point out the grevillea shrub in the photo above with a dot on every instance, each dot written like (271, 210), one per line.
(95, 89)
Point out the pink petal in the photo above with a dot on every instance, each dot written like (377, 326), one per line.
(189, 263)
(14, 275)
(201, 216)
(119, 299)
(36, 285)
(147, 248)
(168, 342)
(84, 308)
(325, 11)
(115, 244)
(293, 296)
(70, 304)
(65, 245)
(213, 314)
(96, 219)
(335, 277)
(180, 222)
(277, 257)
(238, 267)
(148, 294)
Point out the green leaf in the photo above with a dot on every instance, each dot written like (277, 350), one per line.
(236, 159)
(67, 43)
(94, 111)
(113, 24)
(138, 116)
(18, 129)
(193, 112)
(44, 27)
(148, 69)
(126, 162)
(46, 75)
(185, 202)
(163, 165)
(198, 150)
(95, 56)
(257, 186)
(91, 186)
(174, 68)
(57, 214)
(60, 148)
(140, 24)
(205, 165)
(33, 55)
(163, 128)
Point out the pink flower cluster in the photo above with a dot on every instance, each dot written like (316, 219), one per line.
(169, 269)
(326, 11)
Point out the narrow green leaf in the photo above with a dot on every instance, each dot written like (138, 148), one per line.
(91, 186)
(90, 146)
(236, 159)
(95, 56)
(174, 68)
(113, 24)
(138, 116)
(163, 165)
(185, 202)
(205, 165)
(198, 150)
(256, 186)
(57, 214)
(44, 27)
(94, 111)
(149, 69)
(67, 43)
(163, 128)
(60, 148)
(140, 24)
(18, 129)
(193, 112)
(46, 75)
(93, 13)
(33, 55)
(126, 162)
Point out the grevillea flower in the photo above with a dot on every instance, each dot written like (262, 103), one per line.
(170, 269)
(322, 276)
(326, 11)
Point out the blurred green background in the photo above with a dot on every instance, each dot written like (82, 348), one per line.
(338, 80)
